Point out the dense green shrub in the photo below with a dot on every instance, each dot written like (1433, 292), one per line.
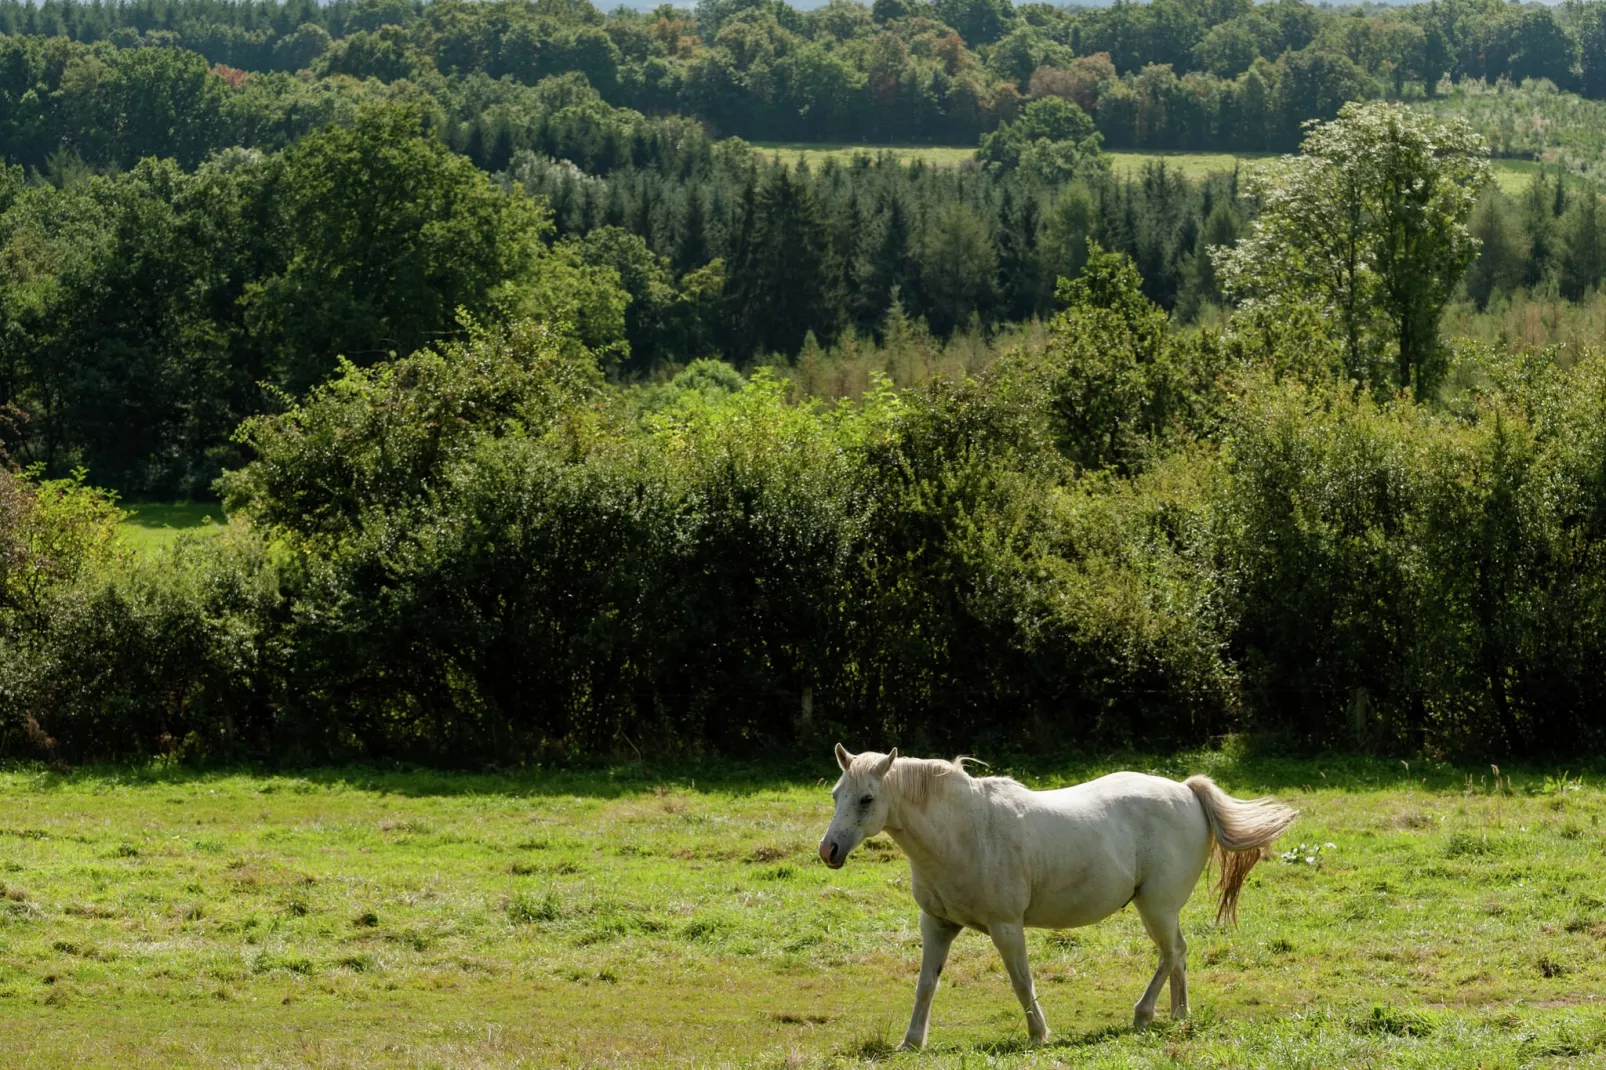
(536, 567)
(1410, 578)
(481, 553)
(104, 654)
(164, 656)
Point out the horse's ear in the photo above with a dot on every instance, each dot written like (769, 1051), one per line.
(884, 765)
(843, 758)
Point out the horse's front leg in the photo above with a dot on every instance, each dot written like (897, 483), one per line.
(936, 937)
(1011, 943)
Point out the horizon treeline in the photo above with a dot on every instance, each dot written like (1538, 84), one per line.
(1179, 74)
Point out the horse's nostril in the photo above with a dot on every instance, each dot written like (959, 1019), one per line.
(834, 850)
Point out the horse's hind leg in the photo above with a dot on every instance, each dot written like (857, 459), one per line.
(1179, 990)
(936, 937)
(1164, 926)
(1011, 943)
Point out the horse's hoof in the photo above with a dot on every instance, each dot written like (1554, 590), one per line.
(1141, 1022)
(1039, 1041)
(909, 1045)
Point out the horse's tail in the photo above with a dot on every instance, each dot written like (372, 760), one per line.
(1239, 829)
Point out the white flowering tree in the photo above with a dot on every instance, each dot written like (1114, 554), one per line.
(1368, 221)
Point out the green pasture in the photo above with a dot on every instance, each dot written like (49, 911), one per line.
(1511, 176)
(816, 153)
(149, 526)
(351, 918)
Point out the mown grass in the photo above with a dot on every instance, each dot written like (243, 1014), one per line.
(150, 526)
(1510, 176)
(678, 916)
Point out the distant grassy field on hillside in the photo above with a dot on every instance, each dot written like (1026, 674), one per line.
(153, 525)
(1509, 175)
(353, 918)
(816, 153)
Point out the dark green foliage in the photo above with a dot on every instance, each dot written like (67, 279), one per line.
(1408, 580)
(481, 552)
(141, 313)
(1053, 140)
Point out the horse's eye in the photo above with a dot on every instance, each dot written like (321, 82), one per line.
(867, 800)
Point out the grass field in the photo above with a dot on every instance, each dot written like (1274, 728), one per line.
(1511, 176)
(816, 153)
(153, 525)
(156, 917)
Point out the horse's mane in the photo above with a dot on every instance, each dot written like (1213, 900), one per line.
(916, 778)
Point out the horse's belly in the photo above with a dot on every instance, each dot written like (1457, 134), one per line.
(1067, 907)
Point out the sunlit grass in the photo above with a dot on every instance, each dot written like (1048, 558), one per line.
(1511, 176)
(816, 153)
(153, 525)
(628, 917)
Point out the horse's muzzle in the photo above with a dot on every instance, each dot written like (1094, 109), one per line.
(831, 854)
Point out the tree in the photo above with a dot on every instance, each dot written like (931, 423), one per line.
(891, 267)
(1502, 250)
(691, 248)
(1538, 47)
(1053, 139)
(1369, 221)
(979, 22)
(957, 267)
(1315, 84)
(1020, 268)
(1583, 256)
(785, 274)
(385, 234)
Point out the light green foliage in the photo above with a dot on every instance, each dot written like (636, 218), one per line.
(1436, 917)
(1528, 122)
(53, 532)
(817, 153)
(384, 437)
(1369, 222)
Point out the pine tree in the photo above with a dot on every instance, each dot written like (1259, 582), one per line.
(743, 286)
(1583, 261)
(795, 274)
(1020, 268)
(1541, 227)
(854, 311)
(474, 146)
(501, 153)
(891, 266)
(641, 218)
(691, 250)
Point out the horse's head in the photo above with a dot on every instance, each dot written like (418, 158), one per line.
(861, 803)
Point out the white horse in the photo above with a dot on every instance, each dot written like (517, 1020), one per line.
(989, 854)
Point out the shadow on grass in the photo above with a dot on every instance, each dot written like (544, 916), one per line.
(1243, 774)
